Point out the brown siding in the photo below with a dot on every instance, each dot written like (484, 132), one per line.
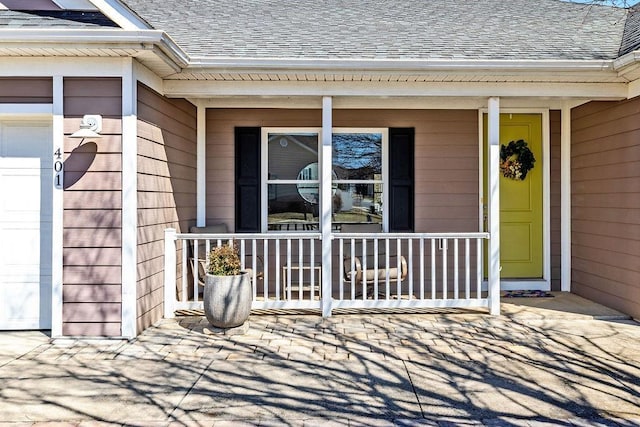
(26, 90)
(166, 190)
(446, 155)
(555, 126)
(605, 157)
(92, 210)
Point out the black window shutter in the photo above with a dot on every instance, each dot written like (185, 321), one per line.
(248, 190)
(401, 179)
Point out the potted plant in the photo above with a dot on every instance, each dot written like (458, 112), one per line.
(227, 291)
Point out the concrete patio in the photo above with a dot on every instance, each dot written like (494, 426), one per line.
(545, 361)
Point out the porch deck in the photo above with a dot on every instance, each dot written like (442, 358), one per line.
(551, 362)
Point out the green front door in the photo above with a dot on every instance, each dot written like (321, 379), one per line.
(521, 210)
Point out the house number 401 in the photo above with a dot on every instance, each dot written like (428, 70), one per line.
(58, 178)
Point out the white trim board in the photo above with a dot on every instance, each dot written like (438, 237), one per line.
(533, 284)
(57, 220)
(31, 110)
(378, 102)
(199, 88)
(129, 201)
(120, 14)
(68, 67)
(519, 285)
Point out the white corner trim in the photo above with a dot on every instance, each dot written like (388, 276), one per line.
(546, 198)
(634, 89)
(565, 199)
(147, 77)
(201, 169)
(119, 14)
(57, 220)
(129, 200)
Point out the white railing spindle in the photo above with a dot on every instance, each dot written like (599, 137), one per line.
(296, 279)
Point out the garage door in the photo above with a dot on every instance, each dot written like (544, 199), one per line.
(25, 225)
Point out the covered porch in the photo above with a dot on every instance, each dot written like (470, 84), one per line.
(443, 250)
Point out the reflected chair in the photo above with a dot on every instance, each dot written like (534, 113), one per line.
(378, 265)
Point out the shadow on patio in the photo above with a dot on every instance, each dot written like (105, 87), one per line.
(292, 370)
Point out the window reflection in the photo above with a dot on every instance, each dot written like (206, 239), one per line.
(293, 186)
(357, 160)
(357, 155)
(288, 154)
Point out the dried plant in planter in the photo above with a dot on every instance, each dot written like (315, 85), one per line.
(224, 261)
(227, 291)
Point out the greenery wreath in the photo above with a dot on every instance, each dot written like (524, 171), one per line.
(516, 160)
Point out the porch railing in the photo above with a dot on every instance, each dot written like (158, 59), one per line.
(442, 270)
(373, 270)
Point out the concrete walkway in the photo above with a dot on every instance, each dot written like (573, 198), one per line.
(548, 361)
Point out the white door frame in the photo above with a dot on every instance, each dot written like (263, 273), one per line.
(545, 282)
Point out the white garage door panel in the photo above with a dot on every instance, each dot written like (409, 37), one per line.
(18, 206)
(26, 192)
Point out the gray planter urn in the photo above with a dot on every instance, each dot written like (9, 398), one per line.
(227, 300)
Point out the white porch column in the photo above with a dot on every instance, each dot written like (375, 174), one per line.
(129, 199)
(493, 164)
(325, 203)
(201, 168)
(57, 238)
(565, 198)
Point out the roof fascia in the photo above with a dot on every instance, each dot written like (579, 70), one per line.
(120, 14)
(628, 67)
(627, 59)
(107, 38)
(344, 65)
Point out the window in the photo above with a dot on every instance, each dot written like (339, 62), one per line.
(292, 178)
(292, 196)
(359, 166)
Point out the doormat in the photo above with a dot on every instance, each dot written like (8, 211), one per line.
(527, 294)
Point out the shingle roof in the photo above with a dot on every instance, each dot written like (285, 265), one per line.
(389, 29)
(631, 37)
(53, 19)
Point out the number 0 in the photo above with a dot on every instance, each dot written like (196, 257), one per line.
(57, 166)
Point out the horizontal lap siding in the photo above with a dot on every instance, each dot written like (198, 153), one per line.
(166, 190)
(446, 158)
(605, 157)
(92, 253)
(26, 90)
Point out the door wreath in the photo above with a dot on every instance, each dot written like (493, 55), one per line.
(516, 160)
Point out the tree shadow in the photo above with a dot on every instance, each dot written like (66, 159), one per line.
(451, 369)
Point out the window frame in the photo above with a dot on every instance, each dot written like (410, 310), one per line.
(264, 173)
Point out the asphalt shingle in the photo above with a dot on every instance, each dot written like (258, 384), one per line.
(389, 29)
(631, 37)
